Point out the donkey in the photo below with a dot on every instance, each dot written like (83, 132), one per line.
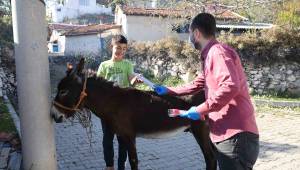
(129, 112)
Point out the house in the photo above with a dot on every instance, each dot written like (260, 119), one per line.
(150, 24)
(86, 39)
(68, 9)
(55, 30)
(143, 3)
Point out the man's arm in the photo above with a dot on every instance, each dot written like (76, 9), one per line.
(224, 71)
(196, 85)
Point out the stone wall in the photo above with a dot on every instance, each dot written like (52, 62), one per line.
(278, 77)
(8, 84)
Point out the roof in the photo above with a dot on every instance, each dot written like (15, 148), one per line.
(218, 12)
(246, 26)
(63, 26)
(91, 29)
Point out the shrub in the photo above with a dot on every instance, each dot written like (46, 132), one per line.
(267, 46)
(167, 49)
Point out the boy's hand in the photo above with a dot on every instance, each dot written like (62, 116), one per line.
(135, 79)
(191, 114)
(161, 90)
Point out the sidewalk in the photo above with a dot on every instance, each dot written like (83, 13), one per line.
(279, 147)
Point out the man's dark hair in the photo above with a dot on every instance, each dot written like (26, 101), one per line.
(205, 23)
(118, 39)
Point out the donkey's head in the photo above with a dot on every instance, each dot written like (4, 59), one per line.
(70, 93)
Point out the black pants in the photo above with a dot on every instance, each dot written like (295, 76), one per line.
(108, 137)
(239, 152)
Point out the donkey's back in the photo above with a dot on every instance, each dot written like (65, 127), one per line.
(148, 113)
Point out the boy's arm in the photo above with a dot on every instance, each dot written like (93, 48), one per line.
(101, 71)
(131, 76)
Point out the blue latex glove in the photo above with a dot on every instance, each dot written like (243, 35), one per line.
(160, 90)
(191, 114)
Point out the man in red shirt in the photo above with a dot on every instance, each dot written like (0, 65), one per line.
(232, 122)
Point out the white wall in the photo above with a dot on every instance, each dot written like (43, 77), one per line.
(84, 44)
(147, 28)
(144, 4)
(73, 9)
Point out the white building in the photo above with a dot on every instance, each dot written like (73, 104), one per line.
(143, 3)
(74, 8)
(88, 39)
(150, 24)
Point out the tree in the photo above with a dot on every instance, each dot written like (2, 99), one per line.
(289, 15)
(254, 10)
(6, 33)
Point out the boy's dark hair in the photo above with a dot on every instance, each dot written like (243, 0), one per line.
(205, 23)
(118, 39)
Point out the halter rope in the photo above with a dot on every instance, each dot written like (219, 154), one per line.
(83, 94)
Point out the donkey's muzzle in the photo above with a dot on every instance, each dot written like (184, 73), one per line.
(56, 115)
(57, 120)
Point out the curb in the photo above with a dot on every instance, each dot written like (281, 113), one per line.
(13, 115)
(292, 104)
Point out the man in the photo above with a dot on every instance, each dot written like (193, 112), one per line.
(232, 122)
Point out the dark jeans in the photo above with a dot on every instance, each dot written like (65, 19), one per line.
(238, 152)
(108, 137)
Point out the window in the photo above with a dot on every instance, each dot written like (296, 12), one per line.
(84, 2)
(55, 48)
(181, 28)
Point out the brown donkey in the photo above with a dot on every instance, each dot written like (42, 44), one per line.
(129, 112)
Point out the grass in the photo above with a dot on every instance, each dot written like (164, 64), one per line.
(280, 111)
(275, 98)
(6, 122)
(170, 81)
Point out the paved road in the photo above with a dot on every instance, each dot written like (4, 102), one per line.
(280, 147)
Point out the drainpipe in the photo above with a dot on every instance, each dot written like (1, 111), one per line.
(32, 68)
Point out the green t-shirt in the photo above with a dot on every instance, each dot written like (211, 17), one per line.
(116, 71)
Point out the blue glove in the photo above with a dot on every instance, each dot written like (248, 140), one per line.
(161, 90)
(191, 114)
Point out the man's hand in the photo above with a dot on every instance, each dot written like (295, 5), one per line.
(191, 114)
(161, 90)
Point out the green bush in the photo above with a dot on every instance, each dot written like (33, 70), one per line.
(266, 47)
(169, 49)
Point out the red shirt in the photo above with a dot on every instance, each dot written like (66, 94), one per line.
(228, 104)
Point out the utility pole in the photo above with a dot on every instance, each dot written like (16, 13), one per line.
(32, 67)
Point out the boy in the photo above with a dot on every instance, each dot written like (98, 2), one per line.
(121, 72)
(232, 123)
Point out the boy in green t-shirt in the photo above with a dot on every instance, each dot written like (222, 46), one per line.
(121, 72)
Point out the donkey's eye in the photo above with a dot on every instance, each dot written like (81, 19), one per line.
(63, 92)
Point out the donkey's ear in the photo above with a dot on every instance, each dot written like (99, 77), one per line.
(80, 66)
(69, 68)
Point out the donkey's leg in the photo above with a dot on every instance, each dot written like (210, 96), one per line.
(200, 131)
(133, 159)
